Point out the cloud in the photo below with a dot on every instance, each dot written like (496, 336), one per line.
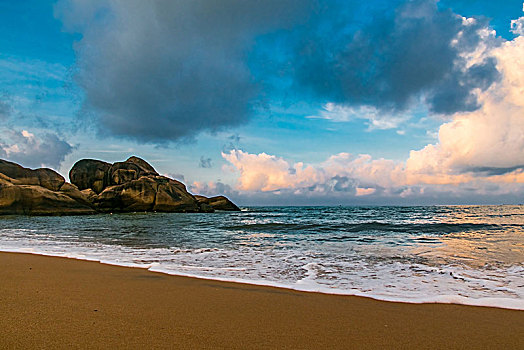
(159, 71)
(376, 119)
(211, 189)
(397, 59)
(517, 25)
(205, 162)
(344, 178)
(364, 191)
(489, 140)
(479, 151)
(46, 150)
(341, 173)
(264, 172)
(232, 142)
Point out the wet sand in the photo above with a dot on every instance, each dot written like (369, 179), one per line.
(58, 303)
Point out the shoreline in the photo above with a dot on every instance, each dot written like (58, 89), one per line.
(63, 302)
(491, 302)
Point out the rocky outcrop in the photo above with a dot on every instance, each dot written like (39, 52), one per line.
(38, 192)
(133, 185)
(97, 186)
(218, 203)
(89, 174)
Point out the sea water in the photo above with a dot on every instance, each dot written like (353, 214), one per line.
(451, 254)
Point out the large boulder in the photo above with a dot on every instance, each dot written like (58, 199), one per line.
(23, 176)
(97, 175)
(89, 173)
(38, 200)
(142, 164)
(25, 191)
(173, 196)
(155, 193)
(218, 203)
(133, 185)
(123, 172)
(136, 195)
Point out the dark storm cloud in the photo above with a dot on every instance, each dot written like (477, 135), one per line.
(456, 94)
(401, 55)
(159, 71)
(163, 70)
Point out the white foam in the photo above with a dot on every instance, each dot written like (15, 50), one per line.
(310, 282)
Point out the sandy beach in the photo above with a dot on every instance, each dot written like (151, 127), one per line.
(48, 302)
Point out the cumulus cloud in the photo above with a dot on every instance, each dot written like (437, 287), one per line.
(344, 178)
(489, 140)
(341, 173)
(265, 172)
(46, 150)
(158, 71)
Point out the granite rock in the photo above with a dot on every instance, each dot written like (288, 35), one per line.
(25, 191)
(218, 203)
(131, 186)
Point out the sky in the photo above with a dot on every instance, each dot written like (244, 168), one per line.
(275, 102)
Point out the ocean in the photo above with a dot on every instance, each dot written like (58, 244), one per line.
(447, 254)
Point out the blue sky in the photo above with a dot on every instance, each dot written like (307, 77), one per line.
(277, 102)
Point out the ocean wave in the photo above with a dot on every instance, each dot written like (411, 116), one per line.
(372, 226)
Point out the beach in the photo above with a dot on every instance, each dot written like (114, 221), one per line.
(50, 302)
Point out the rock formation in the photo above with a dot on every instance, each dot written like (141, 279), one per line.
(134, 185)
(38, 192)
(218, 203)
(97, 186)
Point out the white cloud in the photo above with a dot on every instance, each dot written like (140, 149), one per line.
(375, 118)
(263, 172)
(517, 25)
(491, 137)
(342, 173)
(343, 178)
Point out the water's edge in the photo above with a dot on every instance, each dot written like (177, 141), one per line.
(502, 303)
